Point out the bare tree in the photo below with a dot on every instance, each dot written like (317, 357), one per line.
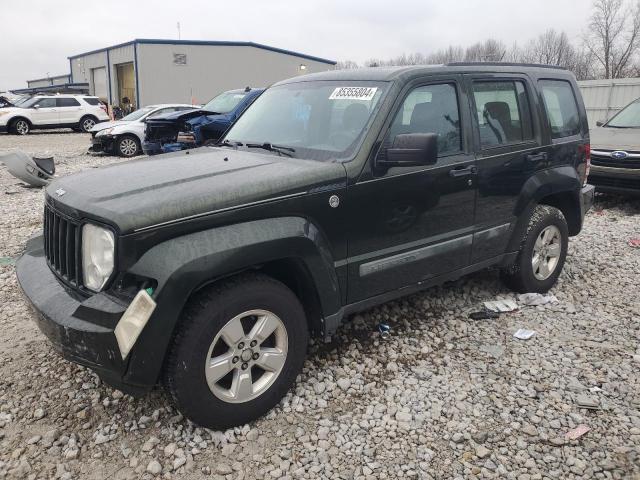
(613, 37)
(549, 48)
(448, 55)
(490, 50)
(346, 65)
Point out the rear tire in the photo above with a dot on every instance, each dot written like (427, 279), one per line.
(542, 253)
(128, 146)
(20, 126)
(213, 370)
(86, 123)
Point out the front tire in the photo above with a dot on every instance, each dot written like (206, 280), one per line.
(128, 146)
(20, 126)
(237, 350)
(542, 254)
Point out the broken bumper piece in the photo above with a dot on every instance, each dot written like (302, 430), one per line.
(81, 328)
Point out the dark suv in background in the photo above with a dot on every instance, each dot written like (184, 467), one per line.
(208, 269)
(183, 130)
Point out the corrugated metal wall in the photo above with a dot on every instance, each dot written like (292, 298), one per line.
(604, 98)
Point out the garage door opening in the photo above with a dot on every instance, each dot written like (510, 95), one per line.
(126, 81)
(99, 83)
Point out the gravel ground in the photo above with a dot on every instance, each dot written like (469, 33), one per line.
(442, 397)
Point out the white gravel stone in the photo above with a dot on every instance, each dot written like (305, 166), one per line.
(154, 467)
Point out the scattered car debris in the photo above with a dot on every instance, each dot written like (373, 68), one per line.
(634, 243)
(484, 315)
(7, 261)
(384, 329)
(524, 334)
(35, 171)
(501, 305)
(535, 299)
(577, 432)
(588, 401)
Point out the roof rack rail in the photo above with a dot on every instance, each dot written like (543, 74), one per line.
(503, 64)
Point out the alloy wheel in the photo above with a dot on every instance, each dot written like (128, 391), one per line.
(22, 127)
(546, 252)
(128, 147)
(246, 356)
(88, 124)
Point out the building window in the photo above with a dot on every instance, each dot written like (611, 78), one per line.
(180, 59)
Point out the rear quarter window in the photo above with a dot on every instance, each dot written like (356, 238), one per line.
(68, 102)
(561, 108)
(91, 101)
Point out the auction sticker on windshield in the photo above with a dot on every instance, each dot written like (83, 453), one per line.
(353, 93)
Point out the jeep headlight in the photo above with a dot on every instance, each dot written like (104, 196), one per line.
(97, 256)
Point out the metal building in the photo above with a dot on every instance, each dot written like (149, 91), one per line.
(146, 71)
(49, 81)
(604, 98)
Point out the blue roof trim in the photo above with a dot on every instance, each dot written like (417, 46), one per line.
(53, 88)
(220, 43)
(100, 50)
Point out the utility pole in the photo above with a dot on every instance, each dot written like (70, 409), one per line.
(178, 25)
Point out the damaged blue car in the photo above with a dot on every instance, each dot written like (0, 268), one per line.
(197, 127)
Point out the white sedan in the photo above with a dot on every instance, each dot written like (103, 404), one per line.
(124, 137)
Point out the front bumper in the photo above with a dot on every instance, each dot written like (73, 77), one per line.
(4, 129)
(615, 180)
(587, 195)
(103, 143)
(80, 328)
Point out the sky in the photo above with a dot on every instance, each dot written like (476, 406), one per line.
(38, 36)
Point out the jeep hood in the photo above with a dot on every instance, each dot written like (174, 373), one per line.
(150, 191)
(615, 138)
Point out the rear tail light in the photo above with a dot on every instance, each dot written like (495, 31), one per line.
(584, 170)
(104, 109)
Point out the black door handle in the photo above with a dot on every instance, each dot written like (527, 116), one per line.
(537, 157)
(463, 172)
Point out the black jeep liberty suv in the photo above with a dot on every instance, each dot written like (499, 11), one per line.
(207, 270)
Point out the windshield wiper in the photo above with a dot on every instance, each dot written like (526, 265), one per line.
(279, 149)
(228, 143)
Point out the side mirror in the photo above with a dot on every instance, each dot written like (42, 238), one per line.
(36, 107)
(599, 123)
(412, 149)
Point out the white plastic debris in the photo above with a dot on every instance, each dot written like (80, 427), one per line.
(577, 432)
(524, 334)
(535, 299)
(501, 305)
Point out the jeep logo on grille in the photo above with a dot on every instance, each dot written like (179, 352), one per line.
(619, 154)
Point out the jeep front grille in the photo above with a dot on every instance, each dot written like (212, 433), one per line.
(62, 246)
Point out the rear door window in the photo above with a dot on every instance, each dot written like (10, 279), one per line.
(67, 102)
(503, 111)
(561, 107)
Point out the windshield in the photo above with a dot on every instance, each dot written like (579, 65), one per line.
(225, 102)
(138, 114)
(318, 120)
(628, 117)
(20, 101)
